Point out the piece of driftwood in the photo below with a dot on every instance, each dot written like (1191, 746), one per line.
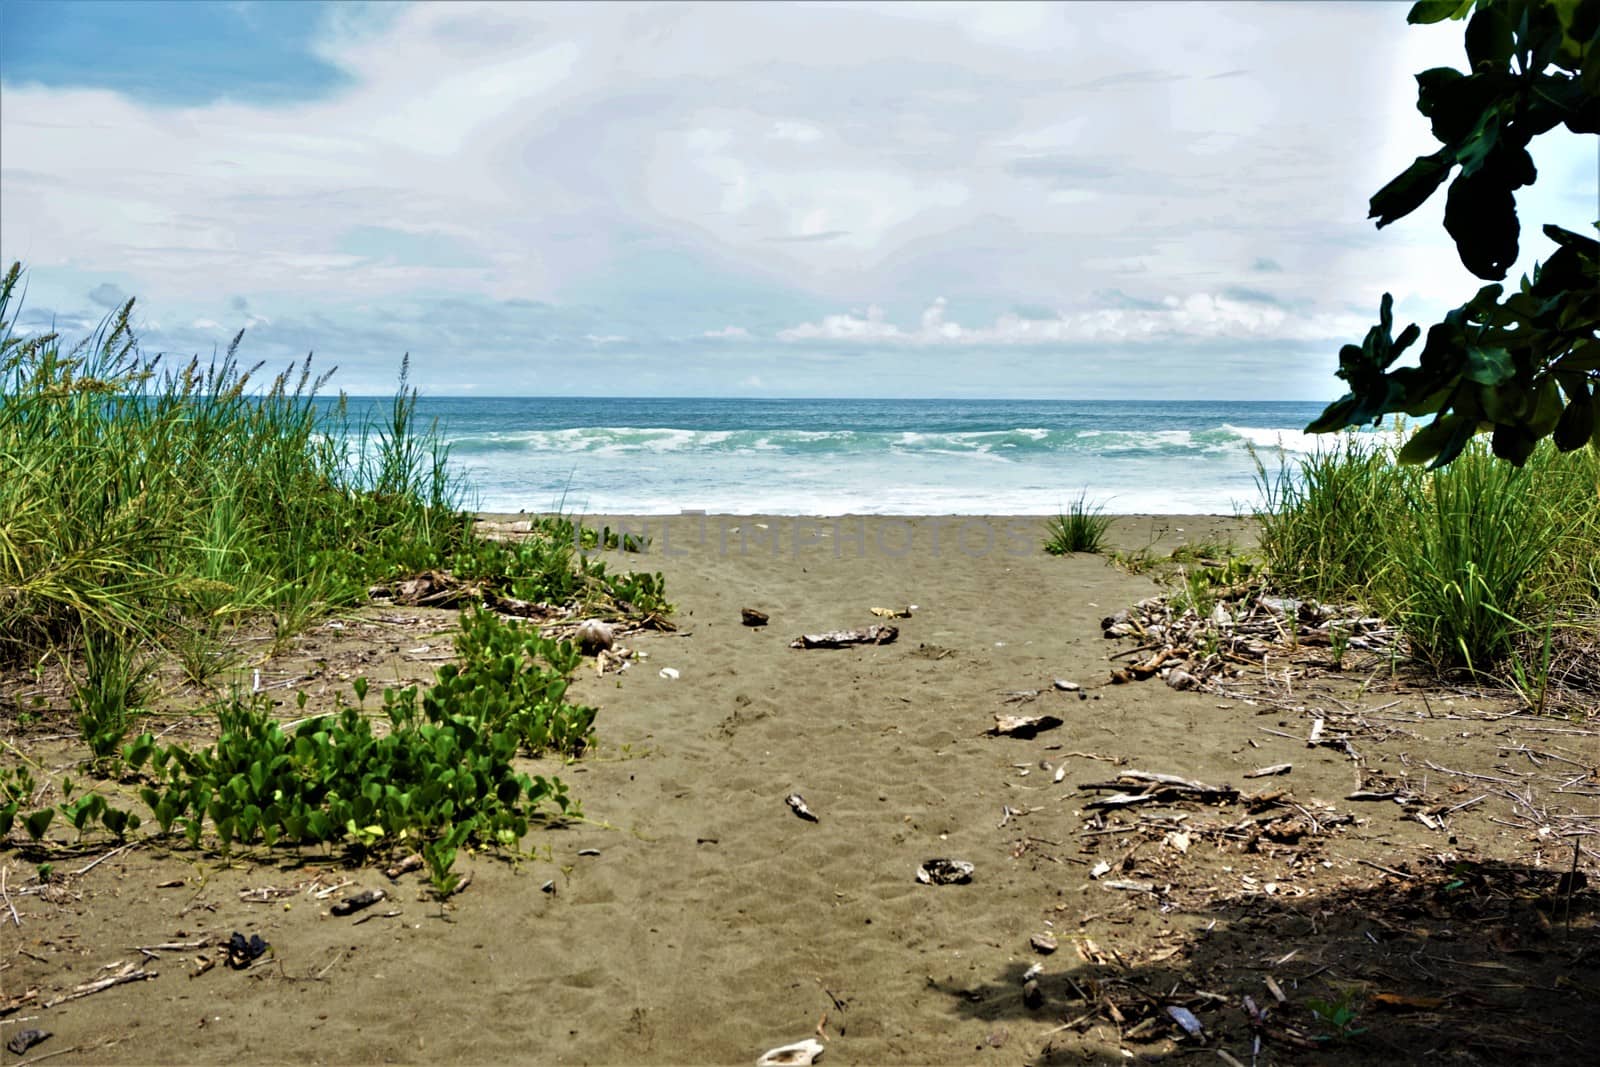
(1023, 726)
(1267, 772)
(1165, 787)
(353, 903)
(1121, 800)
(872, 635)
(129, 972)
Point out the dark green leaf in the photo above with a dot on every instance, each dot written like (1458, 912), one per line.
(39, 822)
(1546, 409)
(1481, 215)
(1577, 425)
(1425, 12)
(1456, 104)
(1410, 189)
(1489, 36)
(1514, 444)
(1488, 366)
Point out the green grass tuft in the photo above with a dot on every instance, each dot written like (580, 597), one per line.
(1081, 528)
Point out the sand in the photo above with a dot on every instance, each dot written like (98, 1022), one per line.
(714, 923)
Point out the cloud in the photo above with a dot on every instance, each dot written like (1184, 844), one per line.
(1198, 317)
(108, 296)
(492, 186)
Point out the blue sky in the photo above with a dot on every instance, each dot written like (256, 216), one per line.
(906, 199)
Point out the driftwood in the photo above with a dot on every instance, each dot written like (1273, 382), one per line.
(441, 589)
(1242, 628)
(1156, 787)
(1023, 726)
(872, 635)
(129, 972)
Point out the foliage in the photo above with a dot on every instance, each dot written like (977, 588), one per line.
(1081, 528)
(442, 774)
(112, 688)
(1337, 1015)
(499, 677)
(145, 502)
(548, 567)
(1467, 559)
(1527, 367)
(148, 509)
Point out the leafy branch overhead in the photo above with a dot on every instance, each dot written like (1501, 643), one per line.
(1528, 366)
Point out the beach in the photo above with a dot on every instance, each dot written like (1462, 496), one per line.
(691, 916)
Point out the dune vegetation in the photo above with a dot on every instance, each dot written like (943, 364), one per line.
(152, 513)
(1489, 569)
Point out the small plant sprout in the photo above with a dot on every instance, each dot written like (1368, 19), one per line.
(1338, 645)
(1337, 1015)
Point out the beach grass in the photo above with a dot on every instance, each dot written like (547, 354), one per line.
(1081, 528)
(150, 513)
(149, 510)
(142, 501)
(1479, 562)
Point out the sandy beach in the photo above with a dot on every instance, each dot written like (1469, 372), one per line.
(692, 917)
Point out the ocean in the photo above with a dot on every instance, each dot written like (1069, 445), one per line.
(882, 457)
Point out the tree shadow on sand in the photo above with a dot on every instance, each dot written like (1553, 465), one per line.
(1465, 963)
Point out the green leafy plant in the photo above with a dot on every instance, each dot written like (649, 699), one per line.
(1081, 528)
(442, 774)
(16, 791)
(1337, 1016)
(1527, 367)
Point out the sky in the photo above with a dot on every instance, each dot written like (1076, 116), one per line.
(1084, 200)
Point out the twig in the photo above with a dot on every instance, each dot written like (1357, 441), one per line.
(129, 973)
(369, 916)
(1467, 803)
(175, 946)
(48, 1055)
(86, 868)
(6, 870)
(1432, 766)
(331, 964)
(1386, 870)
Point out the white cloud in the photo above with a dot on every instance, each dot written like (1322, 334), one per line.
(1199, 317)
(614, 163)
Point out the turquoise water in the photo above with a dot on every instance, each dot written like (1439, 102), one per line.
(886, 457)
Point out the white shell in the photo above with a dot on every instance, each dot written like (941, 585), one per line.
(801, 1052)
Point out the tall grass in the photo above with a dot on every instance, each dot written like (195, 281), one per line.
(1081, 528)
(1477, 562)
(140, 500)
